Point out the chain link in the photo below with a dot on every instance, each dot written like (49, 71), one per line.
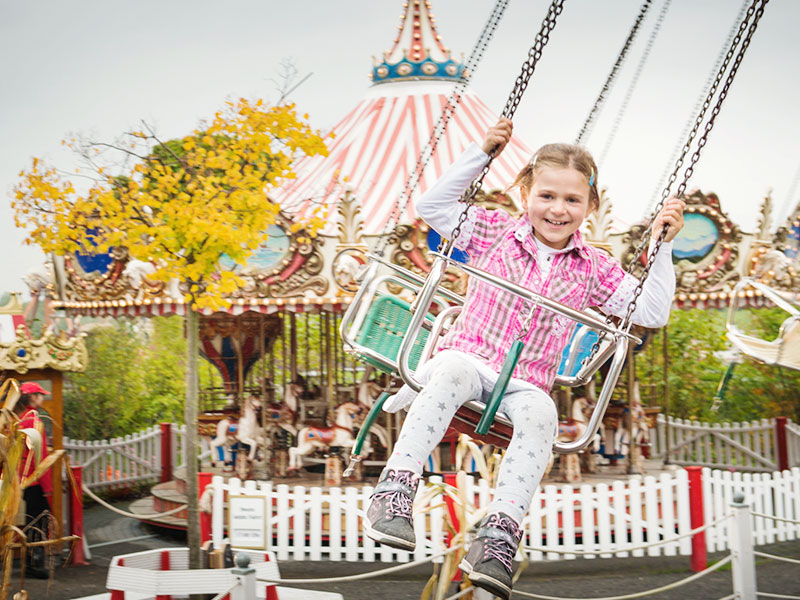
(521, 84)
(426, 154)
(601, 97)
(754, 12)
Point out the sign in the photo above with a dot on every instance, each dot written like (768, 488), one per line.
(247, 522)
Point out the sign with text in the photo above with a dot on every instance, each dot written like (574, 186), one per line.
(247, 519)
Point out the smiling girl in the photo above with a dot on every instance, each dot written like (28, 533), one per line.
(544, 251)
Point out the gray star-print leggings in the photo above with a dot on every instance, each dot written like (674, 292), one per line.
(449, 385)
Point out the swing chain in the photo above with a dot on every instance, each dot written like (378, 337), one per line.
(701, 142)
(585, 129)
(439, 129)
(514, 98)
(751, 11)
(755, 14)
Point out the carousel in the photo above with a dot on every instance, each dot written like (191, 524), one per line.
(288, 393)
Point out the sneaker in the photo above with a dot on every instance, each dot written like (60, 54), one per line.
(488, 561)
(389, 518)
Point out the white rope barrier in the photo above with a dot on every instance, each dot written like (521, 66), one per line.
(767, 595)
(368, 575)
(657, 590)
(775, 557)
(125, 513)
(629, 548)
(463, 592)
(774, 518)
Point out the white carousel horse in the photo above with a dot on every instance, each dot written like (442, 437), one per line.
(285, 415)
(244, 430)
(340, 434)
(570, 430)
(640, 432)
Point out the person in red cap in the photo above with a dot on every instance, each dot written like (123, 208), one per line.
(37, 495)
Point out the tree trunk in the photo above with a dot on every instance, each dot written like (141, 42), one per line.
(190, 460)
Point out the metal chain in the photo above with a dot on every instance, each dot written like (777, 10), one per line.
(521, 84)
(755, 11)
(699, 101)
(634, 82)
(426, 154)
(601, 97)
(701, 142)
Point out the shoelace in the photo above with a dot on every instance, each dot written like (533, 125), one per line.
(399, 504)
(500, 549)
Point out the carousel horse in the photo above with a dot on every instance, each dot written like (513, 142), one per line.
(639, 432)
(569, 430)
(284, 415)
(244, 430)
(341, 434)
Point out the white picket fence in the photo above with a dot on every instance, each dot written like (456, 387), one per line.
(316, 523)
(118, 462)
(741, 446)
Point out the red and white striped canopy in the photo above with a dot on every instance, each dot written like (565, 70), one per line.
(377, 145)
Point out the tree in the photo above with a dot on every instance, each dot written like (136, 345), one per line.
(180, 204)
(133, 375)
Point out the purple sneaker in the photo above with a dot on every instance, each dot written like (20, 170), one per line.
(389, 516)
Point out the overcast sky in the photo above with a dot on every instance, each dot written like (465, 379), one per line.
(100, 66)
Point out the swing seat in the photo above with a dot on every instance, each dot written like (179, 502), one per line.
(784, 350)
(384, 328)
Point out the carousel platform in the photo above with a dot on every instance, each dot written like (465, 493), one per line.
(172, 494)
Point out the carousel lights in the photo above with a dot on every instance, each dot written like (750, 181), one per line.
(703, 296)
(692, 297)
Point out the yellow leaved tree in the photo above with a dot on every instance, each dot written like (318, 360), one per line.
(179, 204)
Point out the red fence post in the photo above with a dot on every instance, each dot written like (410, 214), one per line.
(164, 567)
(451, 479)
(699, 559)
(166, 452)
(76, 515)
(780, 442)
(203, 481)
(118, 594)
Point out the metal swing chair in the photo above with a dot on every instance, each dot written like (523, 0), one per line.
(398, 337)
(784, 350)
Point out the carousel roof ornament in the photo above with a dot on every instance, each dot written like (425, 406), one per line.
(418, 52)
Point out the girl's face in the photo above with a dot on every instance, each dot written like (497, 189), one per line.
(557, 204)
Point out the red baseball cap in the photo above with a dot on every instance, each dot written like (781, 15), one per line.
(31, 387)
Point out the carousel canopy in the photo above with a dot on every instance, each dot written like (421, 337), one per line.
(378, 142)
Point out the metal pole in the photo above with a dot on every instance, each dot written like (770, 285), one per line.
(743, 565)
(631, 380)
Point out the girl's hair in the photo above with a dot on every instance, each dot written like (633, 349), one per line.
(23, 403)
(561, 156)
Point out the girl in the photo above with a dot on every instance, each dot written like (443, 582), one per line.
(543, 251)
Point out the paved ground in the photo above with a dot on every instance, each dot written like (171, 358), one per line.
(109, 535)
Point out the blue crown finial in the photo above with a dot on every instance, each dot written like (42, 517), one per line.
(418, 52)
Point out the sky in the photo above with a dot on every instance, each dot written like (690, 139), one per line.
(100, 67)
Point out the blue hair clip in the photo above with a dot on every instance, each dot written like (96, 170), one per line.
(591, 179)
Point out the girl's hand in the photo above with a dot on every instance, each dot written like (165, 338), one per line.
(671, 215)
(497, 137)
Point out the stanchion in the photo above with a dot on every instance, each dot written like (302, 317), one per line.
(246, 590)
(743, 563)
(699, 559)
(166, 452)
(780, 443)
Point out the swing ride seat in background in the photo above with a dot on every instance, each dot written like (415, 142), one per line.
(384, 328)
(784, 350)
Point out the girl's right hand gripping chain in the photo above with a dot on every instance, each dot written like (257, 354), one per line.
(497, 137)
